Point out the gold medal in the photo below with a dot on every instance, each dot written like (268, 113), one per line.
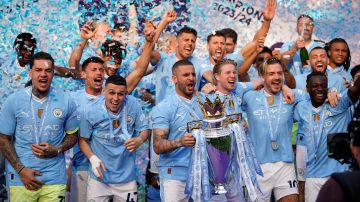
(274, 145)
(17, 77)
(316, 117)
(116, 123)
(231, 103)
(40, 112)
(270, 100)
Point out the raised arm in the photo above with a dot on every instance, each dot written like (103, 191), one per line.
(87, 32)
(168, 17)
(141, 66)
(245, 66)
(268, 15)
(133, 32)
(67, 72)
(289, 78)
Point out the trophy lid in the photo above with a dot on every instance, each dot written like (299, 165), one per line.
(212, 110)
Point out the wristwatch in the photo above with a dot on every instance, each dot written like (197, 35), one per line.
(59, 151)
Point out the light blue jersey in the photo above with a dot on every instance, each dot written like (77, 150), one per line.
(335, 82)
(163, 71)
(265, 121)
(12, 76)
(237, 57)
(83, 101)
(253, 73)
(339, 71)
(20, 120)
(107, 138)
(295, 66)
(313, 134)
(173, 113)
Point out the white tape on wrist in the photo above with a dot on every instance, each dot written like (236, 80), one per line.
(95, 163)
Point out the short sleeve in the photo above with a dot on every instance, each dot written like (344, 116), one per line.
(163, 57)
(300, 95)
(343, 104)
(86, 127)
(243, 87)
(8, 117)
(244, 101)
(236, 57)
(159, 117)
(141, 122)
(286, 46)
(72, 121)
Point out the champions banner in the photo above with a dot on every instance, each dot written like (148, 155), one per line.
(55, 23)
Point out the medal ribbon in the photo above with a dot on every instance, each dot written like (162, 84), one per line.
(273, 137)
(123, 125)
(317, 138)
(37, 132)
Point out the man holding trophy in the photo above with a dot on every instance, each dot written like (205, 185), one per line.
(171, 140)
(231, 165)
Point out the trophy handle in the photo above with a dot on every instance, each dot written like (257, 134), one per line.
(190, 126)
(234, 118)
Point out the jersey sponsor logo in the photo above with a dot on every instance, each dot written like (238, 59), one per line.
(142, 117)
(274, 111)
(57, 112)
(239, 100)
(328, 113)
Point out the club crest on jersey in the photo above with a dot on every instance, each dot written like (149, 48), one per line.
(57, 112)
(328, 113)
(239, 100)
(130, 119)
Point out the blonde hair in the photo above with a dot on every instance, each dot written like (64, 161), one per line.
(266, 63)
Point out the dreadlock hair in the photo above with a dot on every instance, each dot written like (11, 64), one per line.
(347, 61)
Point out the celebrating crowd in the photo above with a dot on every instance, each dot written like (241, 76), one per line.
(82, 145)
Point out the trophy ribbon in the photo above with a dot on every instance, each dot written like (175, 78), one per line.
(198, 183)
(246, 166)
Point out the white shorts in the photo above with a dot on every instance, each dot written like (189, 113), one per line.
(312, 188)
(100, 192)
(301, 158)
(174, 191)
(78, 186)
(278, 177)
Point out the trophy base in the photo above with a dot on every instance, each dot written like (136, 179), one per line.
(219, 189)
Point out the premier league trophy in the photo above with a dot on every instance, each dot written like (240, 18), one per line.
(223, 158)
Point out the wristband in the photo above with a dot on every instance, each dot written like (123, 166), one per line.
(21, 169)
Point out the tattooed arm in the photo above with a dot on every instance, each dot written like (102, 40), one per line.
(8, 151)
(27, 175)
(162, 145)
(45, 150)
